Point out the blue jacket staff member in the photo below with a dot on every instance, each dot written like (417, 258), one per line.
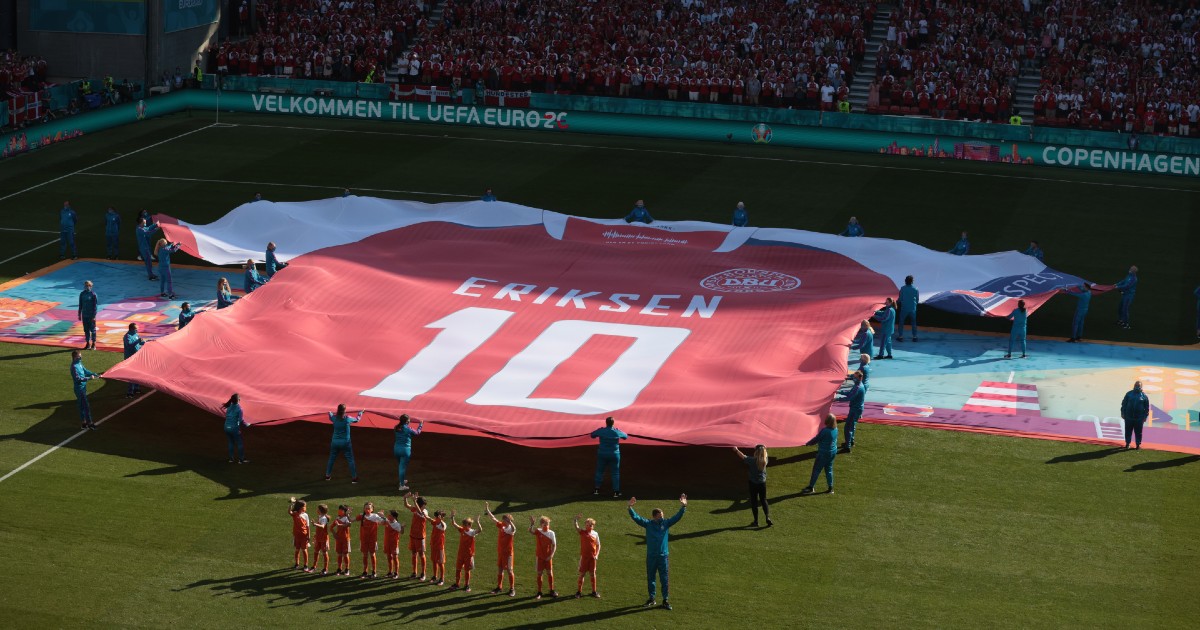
(826, 441)
(402, 447)
(66, 231)
(166, 283)
(225, 297)
(1084, 293)
(1019, 318)
(273, 264)
(488, 195)
(132, 343)
(865, 341)
(186, 315)
(886, 317)
(740, 216)
(639, 213)
(1135, 408)
(756, 465)
(80, 376)
(853, 228)
(112, 233)
(234, 423)
(657, 531)
(1128, 288)
(608, 456)
(142, 235)
(252, 279)
(857, 397)
(1034, 250)
(340, 443)
(909, 296)
(962, 247)
(88, 305)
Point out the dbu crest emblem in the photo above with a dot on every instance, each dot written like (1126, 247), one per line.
(750, 281)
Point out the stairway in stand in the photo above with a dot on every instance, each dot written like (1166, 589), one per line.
(861, 86)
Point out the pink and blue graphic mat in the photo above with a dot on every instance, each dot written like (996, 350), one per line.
(42, 308)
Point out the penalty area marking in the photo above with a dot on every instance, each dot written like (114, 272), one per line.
(110, 160)
(4, 229)
(28, 251)
(278, 185)
(762, 158)
(67, 441)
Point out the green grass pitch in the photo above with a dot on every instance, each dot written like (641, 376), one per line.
(144, 524)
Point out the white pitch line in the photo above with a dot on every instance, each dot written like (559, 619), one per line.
(1011, 375)
(279, 185)
(4, 229)
(72, 438)
(29, 251)
(722, 156)
(88, 168)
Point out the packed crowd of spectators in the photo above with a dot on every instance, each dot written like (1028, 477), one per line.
(342, 40)
(1129, 66)
(1107, 64)
(953, 59)
(766, 52)
(19, 73)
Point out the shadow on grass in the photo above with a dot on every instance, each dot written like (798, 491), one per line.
(1085, 455)
(1168, 463)
(168, 437)
(35, 355)
(391, 600)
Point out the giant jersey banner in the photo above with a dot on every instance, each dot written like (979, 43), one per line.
(531, 326)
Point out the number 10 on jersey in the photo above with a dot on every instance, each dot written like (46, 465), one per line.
(464, 331)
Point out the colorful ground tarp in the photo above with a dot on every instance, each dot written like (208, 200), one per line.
(527, 325)
(42, 308)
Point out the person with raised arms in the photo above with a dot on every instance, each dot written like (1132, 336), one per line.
(504, 551)
(416, 533)
(546, 543)
(464, 562)
(657, 551)
(589, 554)
(340, 442)
(142, 235)
(1019, 318)
(402, 447)
(186, 314)
(756, 466)
(608, 455)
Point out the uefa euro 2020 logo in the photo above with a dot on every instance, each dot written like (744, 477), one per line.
(141, 109)
(760, 133)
